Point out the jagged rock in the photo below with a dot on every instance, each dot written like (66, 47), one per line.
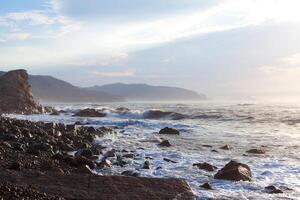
(169, 131)
(205, 166)
(234, 171)
(89, 112)
(16, 96)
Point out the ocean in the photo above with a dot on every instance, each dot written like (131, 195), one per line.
(204, 128)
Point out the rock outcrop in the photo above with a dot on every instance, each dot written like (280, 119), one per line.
(15, 93)
(234, 171)
(89, 112)
(169, 131)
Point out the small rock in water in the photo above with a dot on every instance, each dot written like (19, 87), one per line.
(169, 131)
(147, 165)
(111, 153)
(273, 190)
(206, 186)
(215, 151)
(206, 145)
(130, 173)
(128, 155)
(89, 113)
(165, 143)
(234, 171)
(205, 166)
(225, 147)
(256, 151)
(169, 160)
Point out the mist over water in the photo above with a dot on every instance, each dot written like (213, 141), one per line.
(272, 126)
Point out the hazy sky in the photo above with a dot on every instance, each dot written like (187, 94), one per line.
(219, 47)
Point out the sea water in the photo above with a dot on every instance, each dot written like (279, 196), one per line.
(274, 127)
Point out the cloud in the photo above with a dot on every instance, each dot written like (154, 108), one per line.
(127, 73)
(32, 17)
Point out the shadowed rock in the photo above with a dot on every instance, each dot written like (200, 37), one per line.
(16, 94)
(234, 171)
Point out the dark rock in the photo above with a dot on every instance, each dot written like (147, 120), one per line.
(111, 153)
(256, 151)
(169, 160)
(165, 143)
(147, 165)
(206, 186)
(206, 145)
(84, 152)
(84, 169)
(215, 151)
(104, 163)
(273, 190)
(234, 171)
(15, 166)
(130, 173)
(89, 113)
(169, 131)
(205, 166)
(225, 147)
(128, 155)
(58, 156)
(81, 160)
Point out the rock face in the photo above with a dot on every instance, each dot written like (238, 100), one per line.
(15, 93)
(234, 171)
(169, 131)
(89, 113)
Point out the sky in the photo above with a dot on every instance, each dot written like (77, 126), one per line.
(223, 48)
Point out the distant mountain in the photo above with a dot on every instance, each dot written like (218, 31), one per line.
(143, 92)
(50, 89)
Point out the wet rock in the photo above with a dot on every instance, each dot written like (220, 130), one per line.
(111, 153)
(205, 166)
(128, 155)
(6, 144)
(169, 160)
(104, 163)
(120, 161)
(84, 152)
(122, 110)
(89, 113)
(169, 131)
(147, 165)
(225, 147)
(206, 186)
(256, 151)
(206, 145)
(165, 143)
(58, 156)
(234, 171)
(130, 173)
(215, 151)
(273, 190)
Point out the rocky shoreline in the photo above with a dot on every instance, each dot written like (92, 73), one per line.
(44, 148)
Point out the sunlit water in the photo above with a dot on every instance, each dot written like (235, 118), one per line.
(241, 126)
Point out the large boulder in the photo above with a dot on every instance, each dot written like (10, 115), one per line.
(89, 112)
(15, 94)
(234, 171)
